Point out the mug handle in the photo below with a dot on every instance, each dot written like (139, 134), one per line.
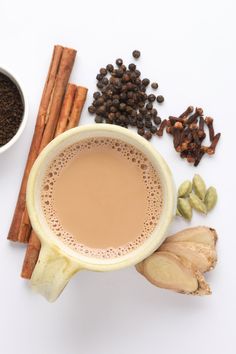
(52, 272)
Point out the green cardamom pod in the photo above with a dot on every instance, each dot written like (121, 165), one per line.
(199, 186)
(178, 212)
(184, 189)
(197, 203)
(185, 209)
(210, 198)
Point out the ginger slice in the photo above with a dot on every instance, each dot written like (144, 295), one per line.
(201, 255)
(201, 234)
(169, 271)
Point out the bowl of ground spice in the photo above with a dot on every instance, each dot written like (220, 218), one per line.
(13, 110)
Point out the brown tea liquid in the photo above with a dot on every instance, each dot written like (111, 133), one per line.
(102, 197)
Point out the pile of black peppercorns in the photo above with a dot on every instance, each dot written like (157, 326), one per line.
(122, 99)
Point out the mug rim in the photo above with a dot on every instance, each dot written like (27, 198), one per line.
(89, 262)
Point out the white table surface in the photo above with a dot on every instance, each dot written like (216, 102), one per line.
(189, 48)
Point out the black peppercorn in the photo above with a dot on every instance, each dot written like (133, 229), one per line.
(145, 82)
(123, 96)
(111, 116)
(101, 110)
(95, 103)
(154, 112)
(103, 71)
(113, 109)
(148, 124)
(127, 121)
(100, 85)
(122, 106)
(117, 114)
(128, 109)
(118, 86)
(116, 102)
(133, 121)
(157, 120)
(149, 106)
(141, 104)
(110, 68)
(160, 99)
(129, 86)
(96, 95)
(139, 117)
(99, 77)
(130, 94)
(143, 88)
(133, 77)
(148, 135)
(119, 62)
(100, 101)
(140, 124)
(119, 72)
(143, 96)
(151, 98)
(105, 81)
(137, 73)
(153, 129)
(108, 103)
(98, 119)
(130, 102)
(137, 81)
(125, 78)
(141, 131)
(123, 67)
(143, 111)
(91, 109)
(136, 54)
(132, 67)
(154, 85)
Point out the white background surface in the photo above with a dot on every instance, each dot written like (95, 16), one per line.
(189, 48)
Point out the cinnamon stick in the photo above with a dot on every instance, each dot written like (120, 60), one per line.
(80, 98)
(54, 102)
(67, 61)
(36, 141)
(31, 256)
(33, 249)
(66, 109)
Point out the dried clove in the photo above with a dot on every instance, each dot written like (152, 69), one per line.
(162, 127)
(193, 118)
(199, 156)
(188, 134)
(186, 113)
(209, 123)
(211, 148)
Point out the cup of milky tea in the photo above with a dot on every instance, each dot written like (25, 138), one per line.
(13, 109)
(100, 198)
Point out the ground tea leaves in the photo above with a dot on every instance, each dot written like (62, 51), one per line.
(11, 109)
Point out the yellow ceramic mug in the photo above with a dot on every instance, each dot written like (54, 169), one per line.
(57, 262)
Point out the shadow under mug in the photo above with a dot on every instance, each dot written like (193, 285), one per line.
(58, 262)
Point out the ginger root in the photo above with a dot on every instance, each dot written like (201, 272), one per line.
(166, 270)
(202, 256)
(180, 261)
(200, 234)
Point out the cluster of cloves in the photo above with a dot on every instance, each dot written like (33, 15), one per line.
(188, 134)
